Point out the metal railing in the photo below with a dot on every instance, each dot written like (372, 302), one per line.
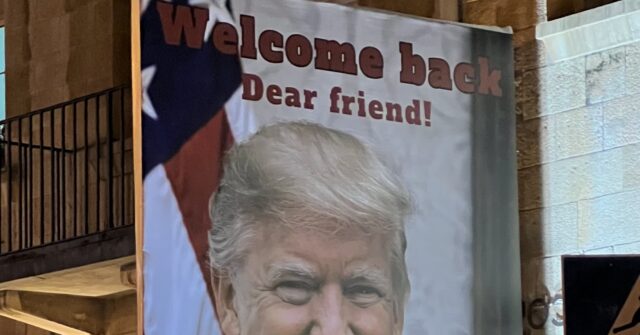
(66, 171)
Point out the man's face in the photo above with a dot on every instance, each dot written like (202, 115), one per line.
(306, 283)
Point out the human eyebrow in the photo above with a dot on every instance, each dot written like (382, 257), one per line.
(280, 271)
(370, 276)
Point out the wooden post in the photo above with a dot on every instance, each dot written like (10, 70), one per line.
(136, 91)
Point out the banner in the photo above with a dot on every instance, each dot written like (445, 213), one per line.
(317, 169)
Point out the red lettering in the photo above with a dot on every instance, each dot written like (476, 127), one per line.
(371, 62)
(225, 38)
(375, 108)
(464, 75)
(333, 56)
(308, 98)
(251, 87)
(489, 79)
(173, 29)
(267, 41)
(394, 112)
(439, 74)
(413, 68)
(274, 93)
(412, 113)
(248, 25)
(299, 51)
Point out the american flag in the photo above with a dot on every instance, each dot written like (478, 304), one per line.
(191, 112)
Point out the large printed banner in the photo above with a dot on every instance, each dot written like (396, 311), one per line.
(311, 168)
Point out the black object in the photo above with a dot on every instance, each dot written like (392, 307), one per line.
(595, 290)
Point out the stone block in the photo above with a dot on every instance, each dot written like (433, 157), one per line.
(551, 274)
(631, 177)
(530, 188)
(609, 220)
(49, 96)
(480, 12)
(577, 132)
(519, 15)
(48, 71)
(605, 75)
(583, 177)
(633, 68)
(49, 36)
(558, 136)
(46, 9)
(84, 28)
(629, 248)
(103, 15)
(530, 268)
(599, 251)
(528, 55)
(550, 231)
(534, 141)
(622, 121)
(555, 88)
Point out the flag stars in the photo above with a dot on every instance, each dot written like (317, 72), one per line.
(147, 77)
(217, 13)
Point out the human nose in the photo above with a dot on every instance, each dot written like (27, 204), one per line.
(331, 316)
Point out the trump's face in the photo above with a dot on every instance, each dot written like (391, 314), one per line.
(306, 283)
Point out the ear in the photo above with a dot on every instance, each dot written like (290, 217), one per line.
(224, 294)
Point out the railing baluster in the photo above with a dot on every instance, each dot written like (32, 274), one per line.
(58, 195)
(98, 163)
(63, 157)
(122, 139)
(42, 179)
(110, 159)
(10, 186)
(20, 183)
(75, 170)
(52, 180)
(30, 167)
(86, 167)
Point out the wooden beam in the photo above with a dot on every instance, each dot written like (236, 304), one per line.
(80, 316)
(93, 280)
(418, 8)
(435, 9)
(138, 202)
(113, 244)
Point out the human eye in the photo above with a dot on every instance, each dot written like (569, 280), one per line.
(294, 292)
(363, 295)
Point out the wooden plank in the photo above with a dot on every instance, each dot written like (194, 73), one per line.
(436, 9)
(73, 253)
(43, 311)
(447, 10)
(13, 327)
(136, 90)
(93, 280)
(418, 8)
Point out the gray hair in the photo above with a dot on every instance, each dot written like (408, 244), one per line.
(305, 176)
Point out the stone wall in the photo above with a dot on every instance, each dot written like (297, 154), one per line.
(579, 146)
(58, 50)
